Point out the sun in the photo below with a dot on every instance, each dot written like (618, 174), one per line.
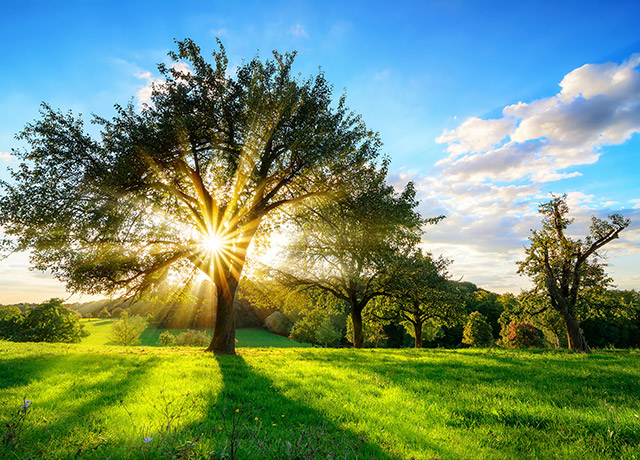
(213, 243)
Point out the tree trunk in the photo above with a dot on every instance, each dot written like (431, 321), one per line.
(356, 322)
(417, 329)
(576, 340)
(224, 328)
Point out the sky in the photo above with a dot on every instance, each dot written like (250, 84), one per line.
(488, 107)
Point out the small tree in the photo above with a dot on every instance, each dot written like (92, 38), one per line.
(88, 316)
(327, 333)
(127, 330)
(522, 335)
(562, 267)
(477, 331)
(104, 313)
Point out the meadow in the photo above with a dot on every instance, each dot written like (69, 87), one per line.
(143, 402)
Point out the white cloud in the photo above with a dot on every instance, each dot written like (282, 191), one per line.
(223, 32)
(599, 104)
(298, 31)
(636, 203)
(6, 157)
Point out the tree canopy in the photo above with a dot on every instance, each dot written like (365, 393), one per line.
(182, 186)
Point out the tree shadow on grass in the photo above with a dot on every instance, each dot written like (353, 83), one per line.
(67, 418)
(251, 418)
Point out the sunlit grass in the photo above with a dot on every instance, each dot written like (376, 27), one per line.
(405, 403)
(99, 330)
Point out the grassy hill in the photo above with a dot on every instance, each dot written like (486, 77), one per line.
(99, 330)
(99, 402)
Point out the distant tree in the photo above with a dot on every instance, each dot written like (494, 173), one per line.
(50, 321)
(318, 326)
(182, 186)
(563, 268)
(104, 313)
(421, 292)
(88, 315)
(477, 331)
(127, 330)
(346, 247)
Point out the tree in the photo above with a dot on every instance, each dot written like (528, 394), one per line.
(127, 330)
(347, 246)
(50, 321)
(477, 332)
(182, 186)
(563, 267)
(104, 313)
(421, 292)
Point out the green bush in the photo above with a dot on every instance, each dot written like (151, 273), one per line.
(104, 313)
(477, 332)
(192, 338)
(127, 330)
(522, 335)
(49, 322)
(318, 326)
(277, 323)
(166, 338)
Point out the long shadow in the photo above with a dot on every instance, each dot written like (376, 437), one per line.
(251, 412)
(121, 375)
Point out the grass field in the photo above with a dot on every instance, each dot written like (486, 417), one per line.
(99, 330)
(100, 402)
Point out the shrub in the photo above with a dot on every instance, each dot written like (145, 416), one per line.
(318, 326)
(49, 322)
(104, 313)
(192, 338)
(327, 333)
(277, 323)
(166, 338)
(477, 332)
(127, 331)
(88, 315)
(522, 335)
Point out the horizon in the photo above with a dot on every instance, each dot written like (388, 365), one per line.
(488, 110)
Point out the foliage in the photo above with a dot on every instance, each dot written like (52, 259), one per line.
(104, 313)
(214, 154)
(319, 326)
(167, 338)
(278, 323)
(118, 312)
(87, 316)
(6, 311)
(421, 294)
(346, 247)
(477, 331)
(127, 330)
(522, 335)
(51, 321)
(373, 333)
(192, 338)
(564, 268)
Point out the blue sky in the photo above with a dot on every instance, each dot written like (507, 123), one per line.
(441, 81)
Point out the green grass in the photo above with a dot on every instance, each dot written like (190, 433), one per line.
(425, 404)
(99, 330)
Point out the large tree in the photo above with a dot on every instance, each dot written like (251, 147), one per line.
(184, 184)
(563, 267)
(348, 246)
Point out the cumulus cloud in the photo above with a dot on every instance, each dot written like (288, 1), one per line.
(598, 104)
(636, 203)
